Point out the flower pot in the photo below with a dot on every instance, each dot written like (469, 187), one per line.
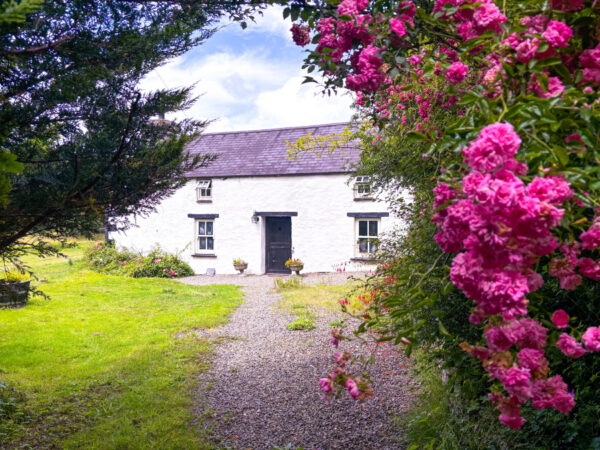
(241, 267)
(296, 268)
(14, 294)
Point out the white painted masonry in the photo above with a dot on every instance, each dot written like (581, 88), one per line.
(323, 236)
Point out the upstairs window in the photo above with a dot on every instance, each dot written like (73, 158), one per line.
(362, 188)
(367, 235)
(204, 190)
(206, 236)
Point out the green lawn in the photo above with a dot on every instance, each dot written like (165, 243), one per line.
(107, 362)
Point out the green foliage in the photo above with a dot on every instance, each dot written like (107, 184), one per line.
(14, 276)
(10, 404)
(73, 119)
(13, 11)
(302, 324)
(337, 323)
(111, 362)
(157, 264)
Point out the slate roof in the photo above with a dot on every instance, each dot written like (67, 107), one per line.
(264, 152)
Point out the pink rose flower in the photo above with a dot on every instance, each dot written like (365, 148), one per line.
(589, 268)
(352, 7)
(496, 144)
(531, 358)
(557, 34)
(563, 401)
(326, 385)
(569, 346)
(560, 318)
(488, 17)
(352, 389)
(590, 239)
(457, 72)
(300, 34)
(497, 340)
(517, 383)
(398, 27)
(591, 339)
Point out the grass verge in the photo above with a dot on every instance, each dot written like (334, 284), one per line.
(109, 361)
(308, 303)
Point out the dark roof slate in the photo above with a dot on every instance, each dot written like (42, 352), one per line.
(264, 152)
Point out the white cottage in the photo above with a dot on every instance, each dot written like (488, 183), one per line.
(257, 204)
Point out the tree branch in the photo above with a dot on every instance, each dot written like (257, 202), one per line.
(41, 48)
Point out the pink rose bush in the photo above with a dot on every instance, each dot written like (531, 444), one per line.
(518, 209)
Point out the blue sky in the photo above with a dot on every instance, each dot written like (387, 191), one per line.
(251, 79)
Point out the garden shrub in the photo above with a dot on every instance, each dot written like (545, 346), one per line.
(302, 324)
(157, 264)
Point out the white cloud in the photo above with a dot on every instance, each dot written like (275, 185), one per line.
(292, 104)
(253, 88)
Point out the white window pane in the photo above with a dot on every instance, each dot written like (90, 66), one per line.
(210, 243)
(209, 228)
(201, 228)
(204, 184)
(202, 243)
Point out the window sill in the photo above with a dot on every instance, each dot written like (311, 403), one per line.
(364, 199)
(204, 201)
(204, 255)
(364, 259)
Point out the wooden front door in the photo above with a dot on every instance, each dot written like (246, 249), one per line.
(278, 238)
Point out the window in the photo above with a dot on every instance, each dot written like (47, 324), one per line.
(205, 241)
(362, 187)
(204, 190)
(367, 232)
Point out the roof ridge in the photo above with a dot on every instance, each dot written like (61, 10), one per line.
(275, 129)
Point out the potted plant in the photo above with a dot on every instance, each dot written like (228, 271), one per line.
(240, 265)
(295, 265)
(14, 288)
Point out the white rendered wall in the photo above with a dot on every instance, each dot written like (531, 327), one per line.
(323, 236)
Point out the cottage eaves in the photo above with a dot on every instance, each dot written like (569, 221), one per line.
(264, 153)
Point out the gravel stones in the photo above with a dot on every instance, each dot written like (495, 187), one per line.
(262, 390)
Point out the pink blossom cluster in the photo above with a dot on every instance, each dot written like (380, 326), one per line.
(526, 44)
(472, 22)
(502, 227)
(300, 34)
(341, 378)
(337, 38)
(367, 75)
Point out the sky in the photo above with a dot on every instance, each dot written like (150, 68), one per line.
(250, 79)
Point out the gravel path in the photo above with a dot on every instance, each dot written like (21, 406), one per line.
(263, 390)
